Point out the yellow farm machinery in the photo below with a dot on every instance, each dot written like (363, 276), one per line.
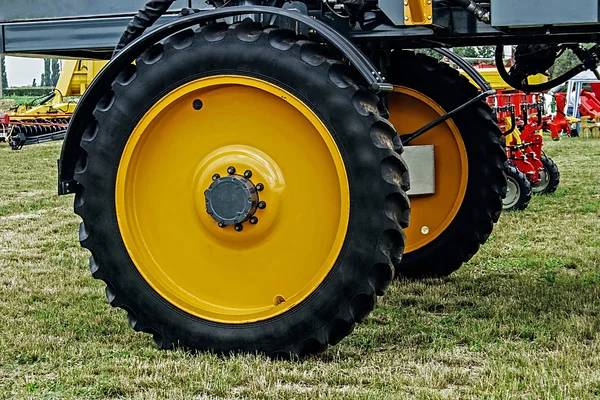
(47, 118)
(242, 168)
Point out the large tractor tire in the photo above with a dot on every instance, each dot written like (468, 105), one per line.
(518, 194)
(447, 227)
(240, 192)
(549, 177)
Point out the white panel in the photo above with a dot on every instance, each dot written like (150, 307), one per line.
(421, 167)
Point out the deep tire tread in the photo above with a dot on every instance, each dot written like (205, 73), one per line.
(553, 173)
(461, 240)
(525, 188)
(391, 241)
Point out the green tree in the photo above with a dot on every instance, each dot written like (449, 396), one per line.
(430, 53)
(564, 63)
(4, 74)
(47, 75)
(470, 52)
(486, 51)
(55, 72)
(34, 83)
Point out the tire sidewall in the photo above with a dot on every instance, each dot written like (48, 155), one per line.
(349, 278)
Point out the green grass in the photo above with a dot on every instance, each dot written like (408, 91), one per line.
(521, 320)
(19, 99)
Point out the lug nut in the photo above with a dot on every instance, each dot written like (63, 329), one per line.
(215, 177)
(254, 220)
(262, 205)
(260, 187)
(239, 227)
(221, 224)
(248, 174)
(231, 170)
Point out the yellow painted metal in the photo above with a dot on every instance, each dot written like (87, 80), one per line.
(216, 273)
(493, 77)
(418, 12)
(75, 77)
(431, 214)
(515, 136)
(46, 110)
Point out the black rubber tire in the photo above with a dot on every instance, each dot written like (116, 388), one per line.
(553, 173)
(486, 159)
(520, 181)
(370, 149)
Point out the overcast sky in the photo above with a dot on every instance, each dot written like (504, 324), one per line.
(21, 70)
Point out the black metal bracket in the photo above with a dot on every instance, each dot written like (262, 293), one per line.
(513, 118)
(83, 113)
(407, 138)
(468, 68)
(486, 91)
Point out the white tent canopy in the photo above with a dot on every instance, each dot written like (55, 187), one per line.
(576, 84)
(585, 77)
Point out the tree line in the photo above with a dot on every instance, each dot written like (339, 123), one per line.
(564, 63)
(49, 77)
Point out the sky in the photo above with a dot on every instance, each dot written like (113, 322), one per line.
(21, 70)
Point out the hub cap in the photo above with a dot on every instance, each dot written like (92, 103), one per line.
(540, 186)
(231, 200)
(513, 193)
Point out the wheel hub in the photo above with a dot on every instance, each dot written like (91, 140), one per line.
(231, 200)
(513, 193)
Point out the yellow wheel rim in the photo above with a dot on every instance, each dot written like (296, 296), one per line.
(431, 214)
(215, 273)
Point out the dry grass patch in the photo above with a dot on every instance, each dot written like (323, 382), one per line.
(521, 320)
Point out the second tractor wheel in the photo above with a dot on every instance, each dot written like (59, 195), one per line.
(269, 221)
(549, 177)
(449, 223)
(518, 194)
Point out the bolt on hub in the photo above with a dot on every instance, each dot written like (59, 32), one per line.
(232, 200)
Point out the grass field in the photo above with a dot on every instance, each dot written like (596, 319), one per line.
(521, 320)
(8, 102)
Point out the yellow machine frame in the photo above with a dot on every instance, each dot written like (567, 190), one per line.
(75, 77)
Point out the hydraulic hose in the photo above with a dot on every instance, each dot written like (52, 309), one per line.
(145, 18)
(524, 87)
(479, 12)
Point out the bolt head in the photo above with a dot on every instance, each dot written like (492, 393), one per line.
(239, 227)
(248, 174)
(406, 18)
(231, 170)
(197, 104)
(215, 177)
(260, 187)
(254, 220)
(262, 205)
(221, 225)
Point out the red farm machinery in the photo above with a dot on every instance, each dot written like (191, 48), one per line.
(242, 168)
(529, 170)
(522, 118)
